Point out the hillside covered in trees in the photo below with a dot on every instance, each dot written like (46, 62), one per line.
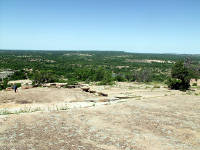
(99, 66)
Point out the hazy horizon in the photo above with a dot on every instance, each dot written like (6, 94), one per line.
(133, 26)
(79, 50)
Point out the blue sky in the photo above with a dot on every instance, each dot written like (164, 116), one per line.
(154, 26)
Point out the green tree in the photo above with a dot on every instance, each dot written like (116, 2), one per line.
(144, 75)
(180, 77)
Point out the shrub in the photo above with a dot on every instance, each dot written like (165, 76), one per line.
(156, 86)
(120, 78)
(4, 84)
(18, 85)
(194, 84)
(104, 82)
(72, 81)
(174, 83)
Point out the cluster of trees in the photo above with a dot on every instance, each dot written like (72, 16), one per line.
(100, 74)
(41, 77)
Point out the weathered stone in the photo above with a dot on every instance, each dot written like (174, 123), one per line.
(70, 86)
(52, 84)
(9, 89)
(92, 91)
(85, 89)
(102, 94)
(27, 86)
